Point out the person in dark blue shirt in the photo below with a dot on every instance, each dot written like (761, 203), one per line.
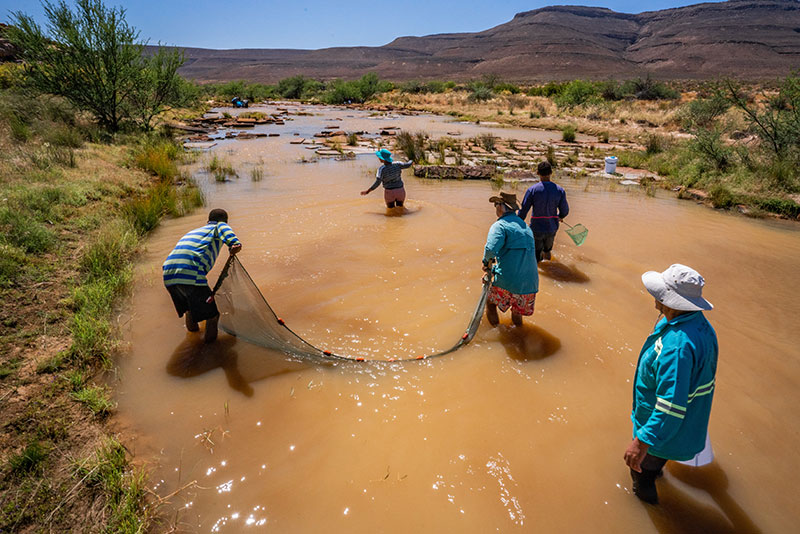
(547, 203)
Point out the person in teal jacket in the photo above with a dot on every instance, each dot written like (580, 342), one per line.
(516, 278)
(674, 380)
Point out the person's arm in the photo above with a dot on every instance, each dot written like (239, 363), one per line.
(527, 204)
(229, 238)
(376, 184)
(494, 243)
(563, 206)
(673, 374)
(406, 165)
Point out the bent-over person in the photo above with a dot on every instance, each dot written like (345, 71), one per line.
(186, 267)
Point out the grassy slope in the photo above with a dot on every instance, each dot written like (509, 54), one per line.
(71, 220)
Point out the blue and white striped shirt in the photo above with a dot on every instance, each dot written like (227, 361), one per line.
(195, 254)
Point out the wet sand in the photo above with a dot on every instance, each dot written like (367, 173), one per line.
(523, 430)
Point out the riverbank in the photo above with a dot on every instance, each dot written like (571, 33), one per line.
(649, 135)
(73, 212)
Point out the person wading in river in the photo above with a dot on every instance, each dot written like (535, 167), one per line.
(516, 279)
(674, 380)
(390, 175)
(186, 267)
(548, 204)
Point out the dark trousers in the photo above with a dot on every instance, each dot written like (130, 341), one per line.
(544, 243)
(644, 483)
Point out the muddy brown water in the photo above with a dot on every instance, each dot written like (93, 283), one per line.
(521, 431)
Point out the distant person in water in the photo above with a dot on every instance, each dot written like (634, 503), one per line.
(389, 174)
(188, 264)
(674, 380)
(547, 203)
(516, 279)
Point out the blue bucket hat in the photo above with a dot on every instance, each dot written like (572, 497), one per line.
(384, 155)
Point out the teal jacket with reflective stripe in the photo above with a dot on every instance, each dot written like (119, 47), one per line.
(511, 242)
(674, 386)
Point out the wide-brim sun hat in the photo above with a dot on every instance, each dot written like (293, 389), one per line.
(509, 199)
(384, 155)
(679, 287)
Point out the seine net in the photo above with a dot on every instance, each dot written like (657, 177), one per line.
(245, 313)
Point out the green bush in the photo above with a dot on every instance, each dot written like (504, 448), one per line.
(722, 197)
(568, 134)
(649, 89)
(783, 206)
(480, 93)
(575, 93)
(550, 89)
(654, 144)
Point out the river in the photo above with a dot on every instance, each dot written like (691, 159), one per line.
(523, 430)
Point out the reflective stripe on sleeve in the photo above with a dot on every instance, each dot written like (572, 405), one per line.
(668, 408)
(705, 389)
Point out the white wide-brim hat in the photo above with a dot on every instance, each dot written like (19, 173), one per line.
(679, 287)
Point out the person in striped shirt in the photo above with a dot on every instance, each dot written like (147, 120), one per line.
(390, 175)
(674, 379)
(186, 267)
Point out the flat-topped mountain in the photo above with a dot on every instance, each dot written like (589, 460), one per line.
(751, 39)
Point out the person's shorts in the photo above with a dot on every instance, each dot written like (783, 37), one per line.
(394, 195)
(193, 299)
(521, 304)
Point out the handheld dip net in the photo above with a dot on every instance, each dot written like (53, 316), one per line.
(245, 313)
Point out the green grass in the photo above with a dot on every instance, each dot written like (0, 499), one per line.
(53, 364)
(23, 231)
(13, 262)
(160, 157)
(220, 168)
(9, 368)
(257, 174)
(95, 398)
(109, 472)
(412, 145)
(30, 459)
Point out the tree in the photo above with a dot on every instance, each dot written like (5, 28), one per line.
(156, 85)
(94, 59)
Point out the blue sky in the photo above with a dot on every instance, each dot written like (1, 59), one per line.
(316, 23)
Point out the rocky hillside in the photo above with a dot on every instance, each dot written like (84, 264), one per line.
(752, 39)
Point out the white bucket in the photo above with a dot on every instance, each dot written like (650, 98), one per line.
(611, 164)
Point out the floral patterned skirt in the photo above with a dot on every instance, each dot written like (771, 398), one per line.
(522, 304)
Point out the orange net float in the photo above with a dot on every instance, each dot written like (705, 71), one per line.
(359, 359)
(327, 352)
(420, 357)
(465, 336)
(280, 321)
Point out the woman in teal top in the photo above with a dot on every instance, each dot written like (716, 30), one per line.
(516, 278)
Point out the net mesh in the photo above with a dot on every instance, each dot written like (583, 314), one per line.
(245, 313)
(578, 233)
